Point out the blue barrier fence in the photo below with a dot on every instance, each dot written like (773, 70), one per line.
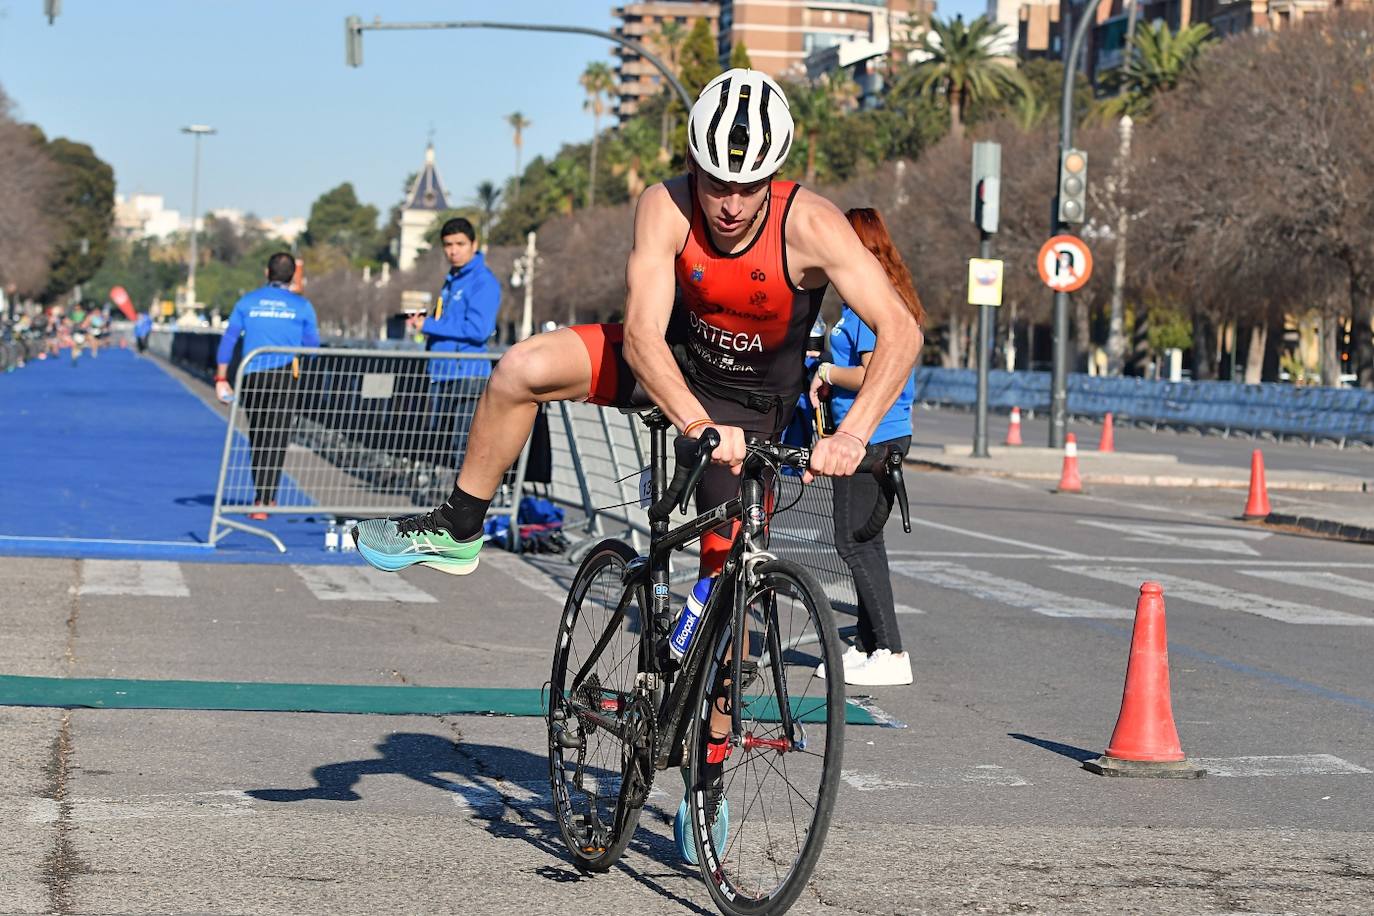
(1343, 414)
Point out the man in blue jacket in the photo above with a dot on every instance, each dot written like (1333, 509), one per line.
(272, 316)
(142, 328)
(462, 321)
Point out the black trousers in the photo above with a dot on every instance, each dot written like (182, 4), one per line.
(855, 498)
(269, 400)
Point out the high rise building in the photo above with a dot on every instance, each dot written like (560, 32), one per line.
(644, 23)
(781, 35)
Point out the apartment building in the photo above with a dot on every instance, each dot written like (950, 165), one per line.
(782, 34)
(643, 23)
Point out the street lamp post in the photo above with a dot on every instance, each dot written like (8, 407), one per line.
(197, 131)
(354, 28)
(1072, 46)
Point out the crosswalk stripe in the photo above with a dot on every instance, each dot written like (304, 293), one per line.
(139, 578)
(988, 587)
(1296, 765)
(1326, 581)
(354, 583)
(1220, 597)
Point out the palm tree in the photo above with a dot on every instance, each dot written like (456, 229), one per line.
(671, 35)
(518, 123)
(599, 82)
(962, 66)
(1158, 59)
(813, 110)
(487, 196)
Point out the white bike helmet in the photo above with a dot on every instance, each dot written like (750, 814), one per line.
(740, 128)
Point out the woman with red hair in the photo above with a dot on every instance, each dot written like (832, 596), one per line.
(876, 658)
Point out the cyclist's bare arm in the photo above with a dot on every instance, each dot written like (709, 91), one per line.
(822, 245)
(660, 226)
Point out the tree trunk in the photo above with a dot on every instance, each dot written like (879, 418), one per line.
(956, 113)
(1082, 335)
(1116, 338)
(1254, 354)
(953, 344)
(591, 180)
(1204, 348)
(1331, 359)
(1362, 328)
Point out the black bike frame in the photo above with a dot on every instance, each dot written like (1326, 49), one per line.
(650, 580)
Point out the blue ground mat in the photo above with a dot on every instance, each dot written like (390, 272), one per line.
(114, 458)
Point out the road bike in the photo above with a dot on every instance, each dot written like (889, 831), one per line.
(621, 706)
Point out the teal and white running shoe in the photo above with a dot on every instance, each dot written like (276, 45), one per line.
(717, 814)
(393, 544)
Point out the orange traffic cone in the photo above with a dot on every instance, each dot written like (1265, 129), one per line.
(1014, 430)
(1145, 740)
(1258, 504)
(1108, 442)
(1069, 481)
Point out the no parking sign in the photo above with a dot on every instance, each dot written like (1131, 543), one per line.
(1065, 263)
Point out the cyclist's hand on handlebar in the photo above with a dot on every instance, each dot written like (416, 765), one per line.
(834, 456)
(731, 449)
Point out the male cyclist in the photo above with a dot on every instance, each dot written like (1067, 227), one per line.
(725, 279)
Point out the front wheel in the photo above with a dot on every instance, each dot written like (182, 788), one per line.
(598, 778)
(778, 788)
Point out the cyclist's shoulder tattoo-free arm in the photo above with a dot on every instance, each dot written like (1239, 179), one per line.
(659, 227)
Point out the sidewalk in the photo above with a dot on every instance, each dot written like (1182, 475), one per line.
(1347, 516)
(114, 458)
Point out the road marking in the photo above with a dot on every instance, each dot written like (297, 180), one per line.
(988, 587)
(982, 776)
(879, 717)
(521, 794)
(530, 575)
(357, 583)
(1043, 550)
(143, 578)
(1298, 765)
(1198, 537)
(907, 609)
(1326, 581)
(1171, 561)
(223, 803)
(1219, 597)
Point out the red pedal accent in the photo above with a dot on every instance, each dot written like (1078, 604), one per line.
(717, 752)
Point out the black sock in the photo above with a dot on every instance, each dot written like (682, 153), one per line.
(464, 514)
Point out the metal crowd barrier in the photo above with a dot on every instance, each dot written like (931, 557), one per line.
(1342, 415)
(598, 453)
(352, 433)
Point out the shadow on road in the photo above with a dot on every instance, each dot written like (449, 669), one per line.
(505, 788)
(1082, 755)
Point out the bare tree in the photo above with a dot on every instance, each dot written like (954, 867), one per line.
(27, 234)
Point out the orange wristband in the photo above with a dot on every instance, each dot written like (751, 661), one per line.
(687, 430)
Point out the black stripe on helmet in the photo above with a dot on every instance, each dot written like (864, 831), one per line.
(767, 126)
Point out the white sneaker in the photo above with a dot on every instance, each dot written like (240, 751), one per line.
(852, 659)
(883, 669)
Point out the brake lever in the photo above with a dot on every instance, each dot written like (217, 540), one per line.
(892, 467)
(707, 443)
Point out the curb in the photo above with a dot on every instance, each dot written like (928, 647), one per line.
(1148, 480)
(1324, 526)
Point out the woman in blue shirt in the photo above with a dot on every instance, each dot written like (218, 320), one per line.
(877, 658)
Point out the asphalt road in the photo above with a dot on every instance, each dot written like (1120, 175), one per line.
(1018, 617)
(940, 426)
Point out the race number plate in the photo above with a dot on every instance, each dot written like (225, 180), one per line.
(646, 488)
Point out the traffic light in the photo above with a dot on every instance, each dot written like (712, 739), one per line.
(1073, 186)
(987, 174)
(353, 41)
(51, 9)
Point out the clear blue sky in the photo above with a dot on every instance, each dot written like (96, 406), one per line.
(293, 120)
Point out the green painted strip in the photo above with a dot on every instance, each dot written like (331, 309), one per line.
(113, 693)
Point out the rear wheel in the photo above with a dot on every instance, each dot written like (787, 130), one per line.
(599, 781)
(779, 788)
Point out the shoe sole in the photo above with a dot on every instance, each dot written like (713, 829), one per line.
(388, 563)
